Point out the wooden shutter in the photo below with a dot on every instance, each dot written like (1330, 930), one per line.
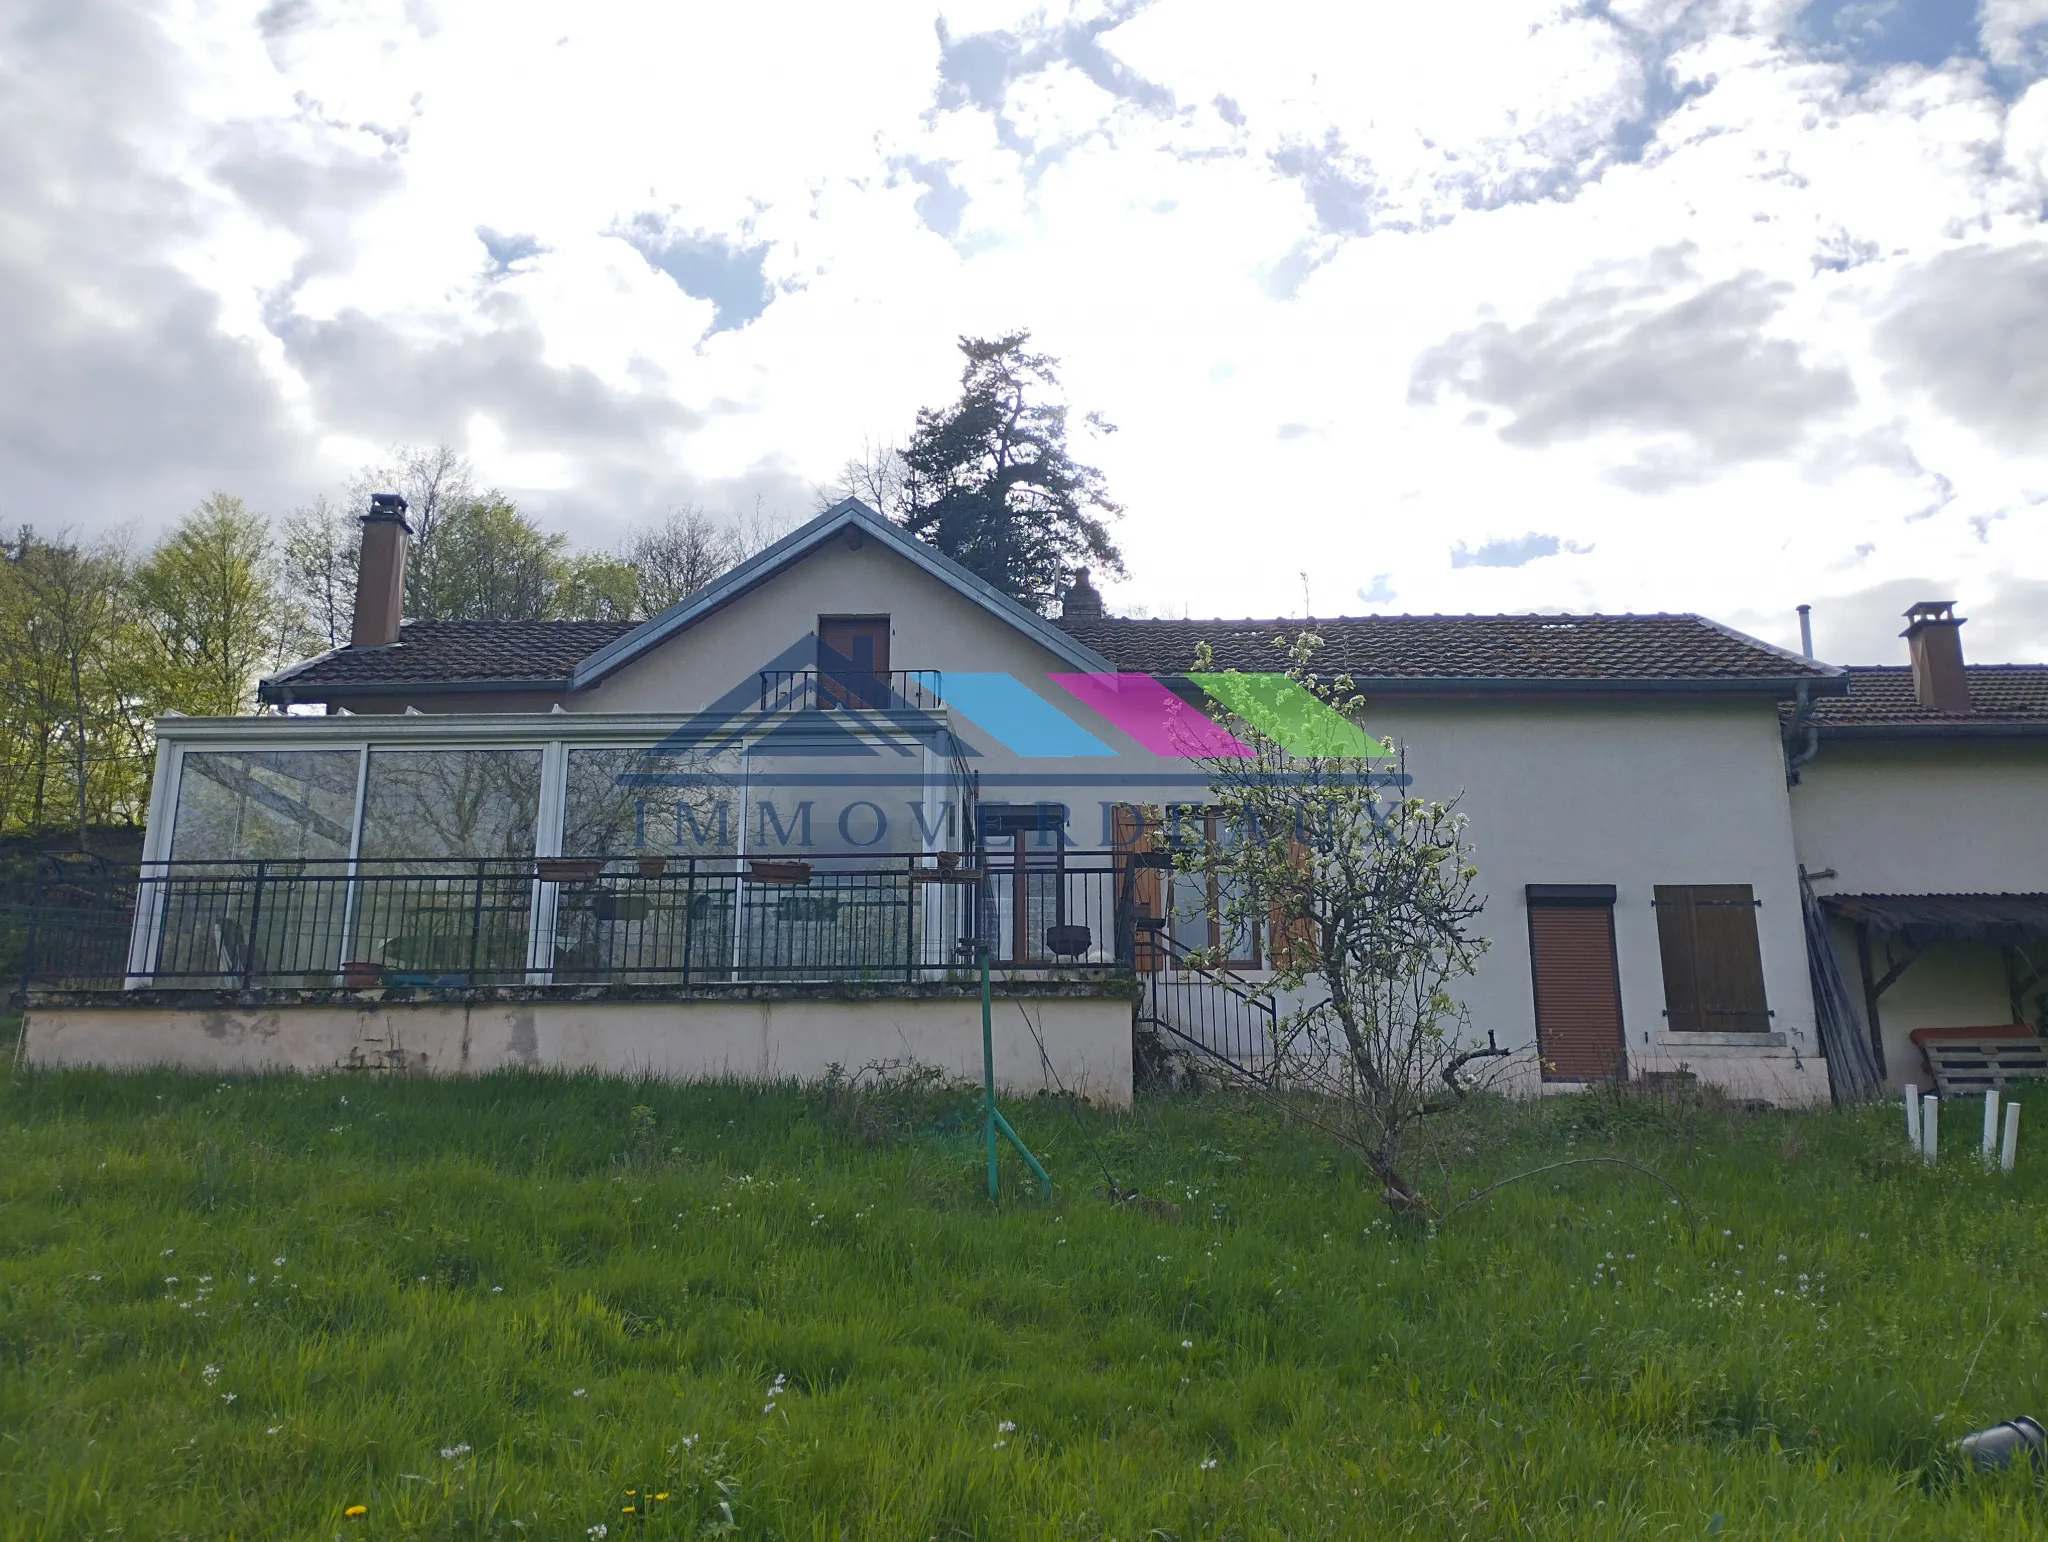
(1578, 987)
(1130, 838)
(1713, 968)
(1292, 939)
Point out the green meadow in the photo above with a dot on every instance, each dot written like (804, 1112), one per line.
(568, 1307)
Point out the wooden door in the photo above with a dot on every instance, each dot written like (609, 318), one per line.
(853, 661)
(1578, 990)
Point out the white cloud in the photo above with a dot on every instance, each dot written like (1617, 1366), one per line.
(246, 242)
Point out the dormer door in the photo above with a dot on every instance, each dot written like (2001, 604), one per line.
(853, 661)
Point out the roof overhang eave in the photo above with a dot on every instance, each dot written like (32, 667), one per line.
(1874, 731)
(280, 692)
(1776, 688)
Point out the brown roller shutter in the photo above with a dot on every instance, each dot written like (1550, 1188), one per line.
(1578, 988)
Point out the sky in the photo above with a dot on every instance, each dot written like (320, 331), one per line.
(1648, 305)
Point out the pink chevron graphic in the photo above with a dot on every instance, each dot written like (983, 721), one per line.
(1154, 716)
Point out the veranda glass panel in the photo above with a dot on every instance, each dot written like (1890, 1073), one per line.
(258, 883)
(662, 905)
(446, 885)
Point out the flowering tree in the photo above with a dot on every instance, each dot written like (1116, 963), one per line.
(1366, 895)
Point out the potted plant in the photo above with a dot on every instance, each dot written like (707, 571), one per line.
(568, 869)
(362, 974)
(653, 867)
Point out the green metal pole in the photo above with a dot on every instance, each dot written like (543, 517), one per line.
(988, 1074)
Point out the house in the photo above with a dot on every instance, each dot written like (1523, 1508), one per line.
(1921, 817)
(774, 828)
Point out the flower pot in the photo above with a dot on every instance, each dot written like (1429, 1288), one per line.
(766, 870)
(1068, 941)
(362, 975)
(653, 867)
(569, 869)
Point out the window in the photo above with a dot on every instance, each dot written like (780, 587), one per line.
(1713, 971)
(1578, 988)
(1199, 905)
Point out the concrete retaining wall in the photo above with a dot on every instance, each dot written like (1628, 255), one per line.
(757, 1035)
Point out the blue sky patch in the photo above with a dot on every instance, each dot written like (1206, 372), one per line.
(706, 266)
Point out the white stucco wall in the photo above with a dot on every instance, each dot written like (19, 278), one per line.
(1925, 817)
(1634, 793)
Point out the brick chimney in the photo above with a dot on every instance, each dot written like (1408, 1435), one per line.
(1081, 602)
(380, 573)
(1934, 635)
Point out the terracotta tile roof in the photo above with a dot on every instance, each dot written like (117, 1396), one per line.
(1508, 650)
(450, 654)
(2012, 696)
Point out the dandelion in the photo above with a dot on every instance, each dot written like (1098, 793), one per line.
(661, 1496)
(356, 1512)
(625, 1509)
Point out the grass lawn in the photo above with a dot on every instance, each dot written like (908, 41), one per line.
(534, 1307)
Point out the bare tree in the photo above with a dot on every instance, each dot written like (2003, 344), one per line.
(680, 555)
(876, 476)
(317, 558)
(435, 482)
(759, 530)
(1367, 895)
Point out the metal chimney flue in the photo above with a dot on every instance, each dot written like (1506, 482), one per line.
(380, 573)
(1934, 638)
(1806, 630)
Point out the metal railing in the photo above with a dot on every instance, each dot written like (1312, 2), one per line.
(841, 686)
(1205, 1008)
(571, 920)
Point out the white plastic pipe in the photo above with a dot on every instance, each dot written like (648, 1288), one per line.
(1990, 1123)
(2012, 1136)
(1930, 1128)
(1913, 1137)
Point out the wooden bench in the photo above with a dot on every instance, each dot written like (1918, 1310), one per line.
(1962, 1061)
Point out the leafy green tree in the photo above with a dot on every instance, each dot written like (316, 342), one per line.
(489, 562)
(989, 480)
(212, 609)
(591, 586)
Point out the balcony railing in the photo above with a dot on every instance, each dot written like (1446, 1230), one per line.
(842, 686)
(651, 920)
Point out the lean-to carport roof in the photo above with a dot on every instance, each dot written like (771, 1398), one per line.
(1917, 919)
